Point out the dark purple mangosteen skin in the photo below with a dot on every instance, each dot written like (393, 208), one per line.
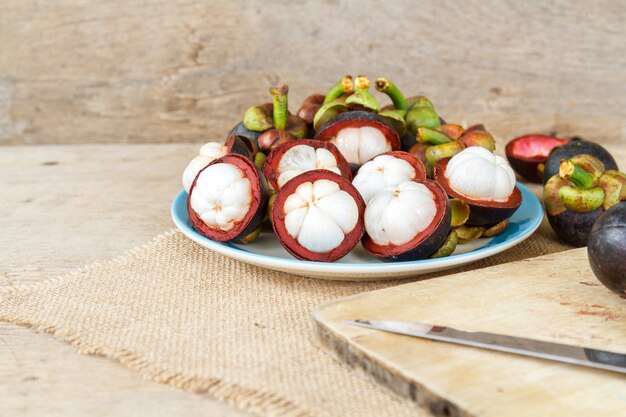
(484, 216)
(573, 148)
(607, 249)
(240, 130)
(430, 245)
(407, 140)
(353, 115)
(240, 147)
(574, 228)
(260, 214)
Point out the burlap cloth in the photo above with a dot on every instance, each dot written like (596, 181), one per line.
(185, 316)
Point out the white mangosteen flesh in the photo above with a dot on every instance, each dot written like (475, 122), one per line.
(222, 196)
(302, 158)
(360, 144)
(208, 152)
(478, 174)
(398, 213)
(381, 172)
(319, 215)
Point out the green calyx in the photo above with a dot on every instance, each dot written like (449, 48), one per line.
(614, 185)
(259, 118)
(280, 102)
(259, 160)
(446, 150)
(551, 199)
(397, 98)
(328, 111)
(447, 247)
(468, 233)
(431, 136)
(453, 131)
(422, 117)
(581, 201)
(343, 86)
(251, 237)
(460, 212)
(419, 101)
(480, 138)
(362, 98)
(496, 229)
(396, 119)
(589, 163)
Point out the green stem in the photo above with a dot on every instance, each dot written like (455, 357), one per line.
(574, 173)
(279, 97)
(397, 98)
(361, 83)
(345, 85)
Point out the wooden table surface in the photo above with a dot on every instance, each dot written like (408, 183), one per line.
(63, 207)
(66, 206)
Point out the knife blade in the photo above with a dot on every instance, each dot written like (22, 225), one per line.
(575, 355)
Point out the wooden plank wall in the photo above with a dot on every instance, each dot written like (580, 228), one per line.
(90, 71)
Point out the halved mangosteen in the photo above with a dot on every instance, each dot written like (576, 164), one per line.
(297, 156)
(387, 169)
(486, 182)
(318, 216)
(228, 199)
(528, 154)
(359, 135)
(407, 222)
(213, 150)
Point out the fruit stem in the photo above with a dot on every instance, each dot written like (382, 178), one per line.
(361, 83)
(397, 98)
(279, 97)
(345, 85)
(568, 170)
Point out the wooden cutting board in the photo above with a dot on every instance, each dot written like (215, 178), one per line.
(553, 298)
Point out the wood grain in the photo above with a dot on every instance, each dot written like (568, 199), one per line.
(185, 70)
(63, 207)
(554, 298)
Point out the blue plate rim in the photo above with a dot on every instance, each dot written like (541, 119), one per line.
(496, 245)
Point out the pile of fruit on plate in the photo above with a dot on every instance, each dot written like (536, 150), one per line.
(397, 178)
(344, 170)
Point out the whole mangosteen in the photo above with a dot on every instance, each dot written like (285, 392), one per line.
(607, 249)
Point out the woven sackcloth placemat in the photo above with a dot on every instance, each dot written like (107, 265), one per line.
(183, 315)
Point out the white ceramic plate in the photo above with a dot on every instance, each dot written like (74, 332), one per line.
(267, 251)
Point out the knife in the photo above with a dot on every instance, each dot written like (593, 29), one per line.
(576, 355)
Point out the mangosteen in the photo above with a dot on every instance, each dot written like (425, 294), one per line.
(274, 120)
(359, 135)
(240, 130)
(318, 216)
(385, 170)
(309, 107)
(212, 150)
(607, 249)
(528, 154)
(576, 147)
(486, 182)
(407, 141)
(228, 199)
(578, 195)
(407, 222)
(297, 156)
